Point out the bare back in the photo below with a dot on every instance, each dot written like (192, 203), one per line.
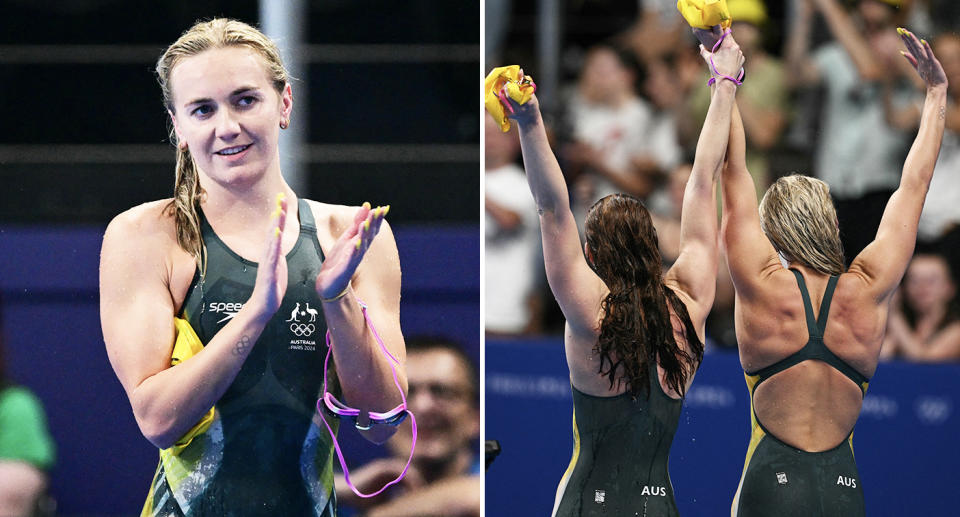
(811, 405)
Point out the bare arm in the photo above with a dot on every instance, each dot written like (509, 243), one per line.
(695, 271)
(749, 252)
(882, 263)
(365, 373)
(848, 35)
(577, 288)
(21, 484)
(797, 52)
(943, 346)
(136, 313)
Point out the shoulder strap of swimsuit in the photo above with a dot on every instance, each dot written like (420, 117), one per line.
(815, 347)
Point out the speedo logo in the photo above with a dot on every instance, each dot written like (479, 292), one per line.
(230, 309)
(848, 482)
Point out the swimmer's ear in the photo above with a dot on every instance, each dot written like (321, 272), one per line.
(286, 102)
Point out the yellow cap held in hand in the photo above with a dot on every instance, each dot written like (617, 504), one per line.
(519, 88)
(703, 14)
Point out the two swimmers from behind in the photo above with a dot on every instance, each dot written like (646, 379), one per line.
(810, 333)
(260, 278)
(634, 334)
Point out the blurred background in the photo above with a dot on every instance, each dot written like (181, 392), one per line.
(622, 88)
(384, 111)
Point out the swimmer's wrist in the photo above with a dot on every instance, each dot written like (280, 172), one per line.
(337, 297)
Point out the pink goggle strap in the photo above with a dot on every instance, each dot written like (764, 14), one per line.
(413, 421)
(737, 80)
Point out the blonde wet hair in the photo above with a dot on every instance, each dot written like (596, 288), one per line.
(203, 36)
(798, 216)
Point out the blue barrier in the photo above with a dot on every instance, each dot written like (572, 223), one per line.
(904, 442)
(55, 347)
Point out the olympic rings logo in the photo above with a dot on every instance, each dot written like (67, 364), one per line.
(302, 329)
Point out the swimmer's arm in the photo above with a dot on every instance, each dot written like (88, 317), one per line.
(136, 314)
(576, 287)
(883, 262)
(365, 375)
(749, 253)
(695, 271)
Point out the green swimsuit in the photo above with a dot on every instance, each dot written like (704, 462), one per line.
(620, 454)
(264, 454)
(781, 480)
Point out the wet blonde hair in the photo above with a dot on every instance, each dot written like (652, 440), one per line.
(798, 217)
(203, 36)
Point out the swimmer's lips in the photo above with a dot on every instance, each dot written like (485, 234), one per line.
(233, 157)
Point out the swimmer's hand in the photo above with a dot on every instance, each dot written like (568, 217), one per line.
(728, 59)
(522, 113)
(342, 261)
(271, 283)
(920, 55)
(708, 37)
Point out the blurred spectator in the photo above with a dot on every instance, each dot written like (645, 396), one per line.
(26, 448)
(619, 142)
(858, 153)
(444, 476)
(924, 323)
(512, 237)
(763, 98)
(658, 31)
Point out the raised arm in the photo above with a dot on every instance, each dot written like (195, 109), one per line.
(695, 271)
(136, 314)
(577, 288)
(797, 51)
(749, 252)
(850, 37)
(882, 263)
(361, 267)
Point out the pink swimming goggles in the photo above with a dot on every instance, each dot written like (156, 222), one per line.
(364, 420)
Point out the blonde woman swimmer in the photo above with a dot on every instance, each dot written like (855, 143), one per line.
(260, 276)
(810, 332)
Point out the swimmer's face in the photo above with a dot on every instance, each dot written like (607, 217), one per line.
(927, 285)
(441, 397)
(227, 110)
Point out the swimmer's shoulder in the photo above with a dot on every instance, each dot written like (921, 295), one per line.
(147, 229)
(333, 219)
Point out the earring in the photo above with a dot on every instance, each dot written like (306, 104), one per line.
(182, 145)
(284, 124)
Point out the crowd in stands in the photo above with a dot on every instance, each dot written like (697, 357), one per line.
(826, 94)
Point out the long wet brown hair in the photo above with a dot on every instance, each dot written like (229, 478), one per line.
(636, 330)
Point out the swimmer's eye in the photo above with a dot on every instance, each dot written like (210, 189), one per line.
(202, 110)
(246, 101)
